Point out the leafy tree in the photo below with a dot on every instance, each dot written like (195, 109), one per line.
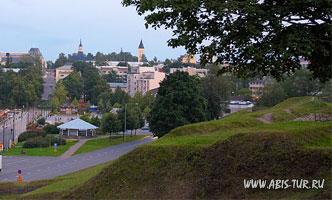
(111, 77)
(217, 91)
(61, 61)
(85, 118)
(75, 102)
(301, 84)
(245, 93)
(179, 102)
(50, 64)
(55, 103)
(273, 93)
(60, 92)
(87, 106)
(101, 105)
(74, 85)
(117, 105)
(110, 123)
(144, 59)
(51, 129)
(95, 121)
(120, 96)
(266, 37)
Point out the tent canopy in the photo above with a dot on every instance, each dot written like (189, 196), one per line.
(77, 124)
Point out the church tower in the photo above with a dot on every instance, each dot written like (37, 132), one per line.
(80, 47)
(140, 51)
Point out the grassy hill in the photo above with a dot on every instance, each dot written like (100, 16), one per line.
(209, 160)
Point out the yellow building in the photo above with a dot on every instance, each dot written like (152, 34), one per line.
(63, 72)
(140, 51)
(189, 59)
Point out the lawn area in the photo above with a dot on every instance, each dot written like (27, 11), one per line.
(45, 151)
(52, 188)
(96, 144)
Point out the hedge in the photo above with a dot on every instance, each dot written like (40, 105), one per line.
(31, 134)
(36, 143)
(51, 139)
(43, 142)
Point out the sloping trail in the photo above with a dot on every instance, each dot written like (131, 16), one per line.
(266, 119)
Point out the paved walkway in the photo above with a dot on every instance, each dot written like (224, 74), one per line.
(38, 168)
(76, 146)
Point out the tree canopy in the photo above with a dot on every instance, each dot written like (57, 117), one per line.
(179, 102)
(255, 37)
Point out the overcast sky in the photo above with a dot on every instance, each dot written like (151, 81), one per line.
(55, 26)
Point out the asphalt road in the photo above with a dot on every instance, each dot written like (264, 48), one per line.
(37, 168)
(49, 83)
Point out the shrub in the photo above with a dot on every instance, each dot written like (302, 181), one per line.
(51, 129)
(36, 143)
(51, 140)
(31, 134)
(41, 121)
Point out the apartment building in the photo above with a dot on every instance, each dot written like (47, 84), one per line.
(256, 88)
(143, 81)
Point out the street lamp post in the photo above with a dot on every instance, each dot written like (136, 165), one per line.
(125, 118)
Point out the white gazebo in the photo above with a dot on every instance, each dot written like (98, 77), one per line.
(77, 127)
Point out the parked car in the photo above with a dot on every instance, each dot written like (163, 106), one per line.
(145, 128)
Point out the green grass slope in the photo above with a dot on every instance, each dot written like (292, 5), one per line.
(209, 160)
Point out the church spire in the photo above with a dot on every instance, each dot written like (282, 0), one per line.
(80, 47)
(141, 46)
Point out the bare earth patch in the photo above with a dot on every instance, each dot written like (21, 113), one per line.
(266, 119)
(288, 111)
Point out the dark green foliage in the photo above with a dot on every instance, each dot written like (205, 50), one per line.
(36, 143)
(61, 61)
(95, 121)
(301, 84)
(93, 83)
(51, 129)
(179, 102)
(257, 37)
(217, 91)
(245, 94)
(273, 93)
(31, 134)
(41, 121)
(74, 85)
(112, 77)
(121, 56)
(43, 142)
(52, 139)
(110, 123)
(23, 88)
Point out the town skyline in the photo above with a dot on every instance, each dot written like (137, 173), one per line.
(57, 26)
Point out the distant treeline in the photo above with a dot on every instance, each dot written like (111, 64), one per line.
(22, 88)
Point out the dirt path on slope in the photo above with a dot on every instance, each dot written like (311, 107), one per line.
(266, 119)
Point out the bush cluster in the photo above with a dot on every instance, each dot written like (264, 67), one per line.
(31, 134)
(51, 140)
(51, 129)
(35, 143)
(43, 142)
